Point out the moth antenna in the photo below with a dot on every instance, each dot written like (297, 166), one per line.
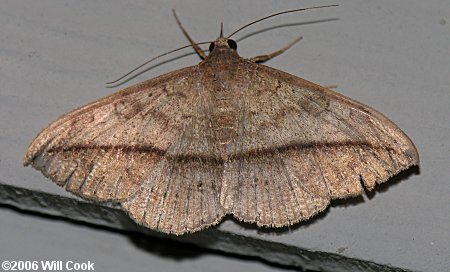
(157, 57)
(197, 49)
(276, 14)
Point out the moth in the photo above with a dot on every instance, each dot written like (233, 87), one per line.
(226, 136)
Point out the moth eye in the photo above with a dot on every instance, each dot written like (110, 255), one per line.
(232, 44)
(211, 47)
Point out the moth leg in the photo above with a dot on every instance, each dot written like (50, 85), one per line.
(197, 48)
(330, 86)
(264, 58)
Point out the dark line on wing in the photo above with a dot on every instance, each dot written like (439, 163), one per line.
(122, 148)
(216, 160)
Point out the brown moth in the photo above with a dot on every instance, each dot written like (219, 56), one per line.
(225, 136)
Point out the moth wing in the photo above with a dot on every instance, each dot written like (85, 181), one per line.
(301, 145)
(136, 147)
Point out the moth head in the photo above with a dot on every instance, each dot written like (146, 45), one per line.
(223, 43)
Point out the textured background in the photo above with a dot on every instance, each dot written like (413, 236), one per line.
(391, 55)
